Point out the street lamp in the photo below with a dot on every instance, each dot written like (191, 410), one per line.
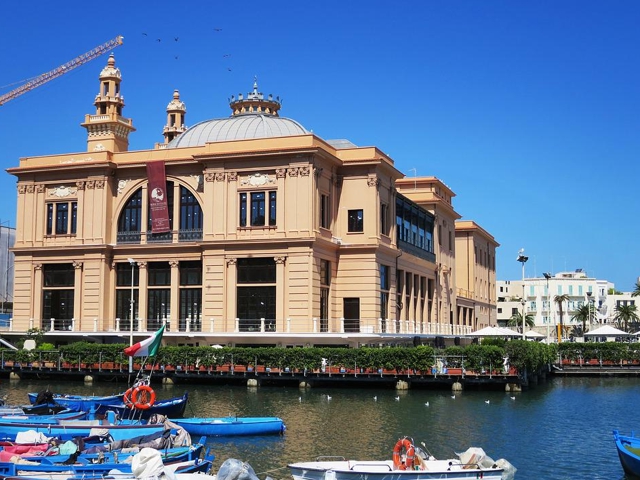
(522, 258)
(588, 300)
(132, 262)
(548, 276)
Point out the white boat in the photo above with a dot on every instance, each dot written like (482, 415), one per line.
(408, 462)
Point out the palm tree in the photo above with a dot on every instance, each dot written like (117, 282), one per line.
(516, 321)
(636, 291)
(560, 299)
(584, 314)
(625, 314)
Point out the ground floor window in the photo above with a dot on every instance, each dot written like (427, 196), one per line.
(58, 296)
(158, 307)
(256, 294)
(351, 314)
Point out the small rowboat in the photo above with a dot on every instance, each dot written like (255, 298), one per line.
(628, 448)
(81, 403)
(172, 407)
(231, 426)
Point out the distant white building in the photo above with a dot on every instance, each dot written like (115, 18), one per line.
(536, 296)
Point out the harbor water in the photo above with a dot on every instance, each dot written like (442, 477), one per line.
(558, 430)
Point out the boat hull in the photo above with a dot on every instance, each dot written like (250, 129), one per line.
(383, 470)
(231, 426)
(628, 448)
(82, 403)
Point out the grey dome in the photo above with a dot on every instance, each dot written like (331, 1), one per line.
(237, 127)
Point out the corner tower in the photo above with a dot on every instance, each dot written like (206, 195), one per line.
(108, 129)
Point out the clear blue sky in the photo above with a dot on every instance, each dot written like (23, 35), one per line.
(528, 110)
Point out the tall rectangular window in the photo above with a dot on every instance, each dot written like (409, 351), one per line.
(384, 219)
(384, 291)
(355, 221)
(325, 218)
(325, 282)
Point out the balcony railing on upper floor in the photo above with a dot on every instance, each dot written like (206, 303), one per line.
(213, 326)
(184, 235)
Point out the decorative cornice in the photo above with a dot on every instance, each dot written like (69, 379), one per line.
(231, 261)
(280, 260)
(209, 177)
(293, 171)
(91, 184)
(232, 176)
(99, 183)
(22, 188)
(30, 188)
(305, 171)
(281, 173)
(80, 185)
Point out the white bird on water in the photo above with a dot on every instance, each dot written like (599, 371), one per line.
(299, 399)
(426, 404)
(375, 398)
(453, 396)
(487, 401)
(328, 397)
(513, 398)
(397, 399)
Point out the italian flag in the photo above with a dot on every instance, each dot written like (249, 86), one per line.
(146, 348)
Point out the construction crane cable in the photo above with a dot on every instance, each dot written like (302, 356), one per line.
(62, 69)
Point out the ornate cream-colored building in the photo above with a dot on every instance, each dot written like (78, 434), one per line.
(272, 235)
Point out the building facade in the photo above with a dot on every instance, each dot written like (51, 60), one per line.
(538, 298)
(242, 230)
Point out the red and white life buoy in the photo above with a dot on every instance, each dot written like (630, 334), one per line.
(143, 397)
(127, 398)
(405, 448)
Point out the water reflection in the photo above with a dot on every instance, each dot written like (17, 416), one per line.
(556, 431)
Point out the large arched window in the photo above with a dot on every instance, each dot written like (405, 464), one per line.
(190, 216)
(130, 219)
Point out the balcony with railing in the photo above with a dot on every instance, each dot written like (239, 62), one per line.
(183, 235)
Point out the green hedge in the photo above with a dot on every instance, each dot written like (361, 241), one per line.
(522, 354)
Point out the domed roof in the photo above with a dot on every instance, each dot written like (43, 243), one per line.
(253, 117)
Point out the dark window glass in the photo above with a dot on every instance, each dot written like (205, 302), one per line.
(191, 273)
(159, 307)
(62, 218)
(257, 209)
(356, 221)
(190, 310)
(243, 209)
(74, 217)
(123, 308)
(272, 208)
(324, 211)
(325, 272)
(190, 211)
(159, 273)
(256, 270)
(131, 217)
(254, 304)
(324, 310)
(49, 218)
(351, 307)
(123, 274)
(384, 277)
(58, 304)
(59, 275)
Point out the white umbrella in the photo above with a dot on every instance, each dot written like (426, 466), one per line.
(606, 331)
(534, 334)
(494, 332)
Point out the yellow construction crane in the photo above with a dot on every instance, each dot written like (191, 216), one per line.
(62, 69)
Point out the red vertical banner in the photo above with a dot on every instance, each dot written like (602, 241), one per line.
(158, 197)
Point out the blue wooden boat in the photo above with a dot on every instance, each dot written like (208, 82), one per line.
(231, 426)
(628, 452)
(68, 429)
(172, 407)
(46, 419)
(168, 455)
(82, 403)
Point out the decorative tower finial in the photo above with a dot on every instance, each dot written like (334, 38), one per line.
(254, 103)
(176, 111)
(108, 129)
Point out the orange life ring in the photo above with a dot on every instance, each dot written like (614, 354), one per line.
(143, 397)
(127, 398)
(403, 447)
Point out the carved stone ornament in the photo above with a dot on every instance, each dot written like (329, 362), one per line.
(280, 260)
(317, 171)
(231, 261)
(99, 183)
(63, 191)
(209, 177)
(199, 180)
(174, 263)
(80, 184)
(373, 181)
(281, 173)
(30, 188)
(142, 264)
(77, 265)
(91, 184)
(232, 176)
(122, 183)
(257, 180)
(22, 188)
(219, 176)
(293, 171)
(305, 171)
(40, 188)
(37, 266)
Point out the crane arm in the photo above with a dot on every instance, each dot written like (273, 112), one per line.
(62, 69)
